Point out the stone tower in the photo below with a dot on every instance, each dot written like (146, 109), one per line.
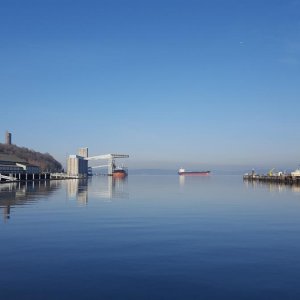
(8, 138)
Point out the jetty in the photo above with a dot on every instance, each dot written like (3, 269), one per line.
(281, 178)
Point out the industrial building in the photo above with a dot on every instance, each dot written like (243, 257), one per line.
(13, 168)
(84, 152)
(77, 165)
(11, 163)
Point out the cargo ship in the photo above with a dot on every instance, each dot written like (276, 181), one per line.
(119, 173)
(193, 173)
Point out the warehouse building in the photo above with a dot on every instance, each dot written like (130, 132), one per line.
(17, 168)
(11, 163)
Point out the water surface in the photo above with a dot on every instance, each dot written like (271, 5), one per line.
(149, 237)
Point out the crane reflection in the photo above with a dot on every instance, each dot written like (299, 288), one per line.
(99, 187)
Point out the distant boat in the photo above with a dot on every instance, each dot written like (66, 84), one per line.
(193, 173)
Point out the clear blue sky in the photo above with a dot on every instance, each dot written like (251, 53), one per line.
(172, 83)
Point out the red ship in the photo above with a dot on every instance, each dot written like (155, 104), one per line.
(193, 173)
(119, 173)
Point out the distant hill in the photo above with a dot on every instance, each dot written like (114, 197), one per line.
(44, 160)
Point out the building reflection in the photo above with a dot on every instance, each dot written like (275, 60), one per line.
(272, 186)
(78, 189)
(296, 188)
(15, 194)
(103, 187)
(110, 188)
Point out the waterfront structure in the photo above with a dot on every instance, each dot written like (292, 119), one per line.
(84, 152)
(11, 163)
(111, 166)
(296, 173)
(7, 138)
(29, 168)
(275, 178)
(77, 166)
(13, 168)
(9, 167)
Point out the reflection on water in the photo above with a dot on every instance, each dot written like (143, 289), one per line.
(14, 194)
(78, 189)
(190, 238)
(187, 181)
(104, 187)
(181, 180)
(110, 188)
(296, 189)
(271, 186)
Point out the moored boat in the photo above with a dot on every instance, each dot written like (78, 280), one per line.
(119, 173)
(193, 173)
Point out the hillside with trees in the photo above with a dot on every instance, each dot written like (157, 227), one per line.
(45, 161)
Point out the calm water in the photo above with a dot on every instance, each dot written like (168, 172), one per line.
(149, 237)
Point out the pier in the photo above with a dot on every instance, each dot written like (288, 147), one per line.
(23, 176)
(280, 179)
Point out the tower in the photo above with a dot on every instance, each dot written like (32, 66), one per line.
(84, 152)
(8, 138)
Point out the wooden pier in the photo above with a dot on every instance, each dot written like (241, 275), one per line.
(281, 179)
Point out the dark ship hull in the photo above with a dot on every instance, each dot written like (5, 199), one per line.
(193, 173)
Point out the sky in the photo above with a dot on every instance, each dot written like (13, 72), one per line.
(172, 83)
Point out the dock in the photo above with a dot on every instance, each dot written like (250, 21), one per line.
(280, 179)
(25, 176)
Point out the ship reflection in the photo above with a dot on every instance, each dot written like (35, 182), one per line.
(181, 181)
(15, 194)
(103, 187)
(187, 180)
(111, 188)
